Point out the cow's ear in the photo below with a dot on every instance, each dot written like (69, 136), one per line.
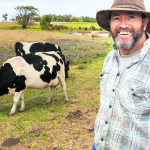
(67, 62)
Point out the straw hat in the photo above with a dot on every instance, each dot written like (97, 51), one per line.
(102, 16)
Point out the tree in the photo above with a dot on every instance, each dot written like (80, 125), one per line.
(75, 19)
(5, 17)
(45, 21)
(59, 18)
(37, 19)
(54, 17)
(66, 18)
(25, 15)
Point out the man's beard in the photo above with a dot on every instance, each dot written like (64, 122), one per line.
(127, 45)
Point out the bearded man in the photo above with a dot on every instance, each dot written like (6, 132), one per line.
(123, 120)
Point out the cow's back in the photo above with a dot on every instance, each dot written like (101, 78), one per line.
(41, 70)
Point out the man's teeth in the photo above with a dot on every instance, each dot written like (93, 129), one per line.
(124, 33)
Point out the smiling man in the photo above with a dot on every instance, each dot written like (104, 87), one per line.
(123, 120)
(128, 31)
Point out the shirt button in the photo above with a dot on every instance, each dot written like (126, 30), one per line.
(118, 74)
(113, 90)
(102, 139)
(110, 106)
(134, 94)
(106, 122)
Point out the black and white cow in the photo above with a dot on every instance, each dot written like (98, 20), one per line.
(22, 48)
(35, 71)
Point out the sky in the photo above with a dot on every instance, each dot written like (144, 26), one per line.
(76, 8)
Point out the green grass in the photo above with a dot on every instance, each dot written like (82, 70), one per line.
(33, 124)
(77, 24)
(35, 27)
(58, 125)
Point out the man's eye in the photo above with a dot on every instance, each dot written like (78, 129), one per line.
(131, 17)
(116, 18)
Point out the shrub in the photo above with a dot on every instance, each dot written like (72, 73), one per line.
(85, 28)
(45, 21)
(79, 28)
(71, 29)
(93, 28)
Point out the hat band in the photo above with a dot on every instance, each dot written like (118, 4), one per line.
(127, 6)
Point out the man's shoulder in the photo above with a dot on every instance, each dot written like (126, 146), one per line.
(111, 54)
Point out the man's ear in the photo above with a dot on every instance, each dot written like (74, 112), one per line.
(146, 20)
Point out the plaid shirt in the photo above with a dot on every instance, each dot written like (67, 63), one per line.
(123, 120)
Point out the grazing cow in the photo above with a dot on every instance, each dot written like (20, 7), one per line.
(35, 71)
(22, 48)
(95, 34)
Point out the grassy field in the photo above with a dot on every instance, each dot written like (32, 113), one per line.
(78, 24)
(56, 126)
(14, 25)
(72, 25)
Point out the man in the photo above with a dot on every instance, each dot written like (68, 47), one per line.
(123, 120)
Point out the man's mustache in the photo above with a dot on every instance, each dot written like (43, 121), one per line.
(124, 29)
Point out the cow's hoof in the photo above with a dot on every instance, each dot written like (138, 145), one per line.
(65, 101)
(48, 102)
(21, 110)
(11, 114)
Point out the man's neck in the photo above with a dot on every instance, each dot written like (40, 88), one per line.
(138, 46)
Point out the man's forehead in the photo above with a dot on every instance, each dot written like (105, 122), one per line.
(117, 13)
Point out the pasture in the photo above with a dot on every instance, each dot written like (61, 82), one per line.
(73, 26)
(56, 126)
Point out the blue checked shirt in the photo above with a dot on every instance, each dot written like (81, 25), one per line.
(123, 120)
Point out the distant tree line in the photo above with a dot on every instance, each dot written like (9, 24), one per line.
(67, 18)
(28, 14)
(70, 18)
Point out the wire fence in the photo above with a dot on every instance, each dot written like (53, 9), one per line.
(51, 92)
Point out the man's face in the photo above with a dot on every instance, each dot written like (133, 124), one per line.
(127, 28)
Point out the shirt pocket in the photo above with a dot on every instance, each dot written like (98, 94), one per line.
(138, 95)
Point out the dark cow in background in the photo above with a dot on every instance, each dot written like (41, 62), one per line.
(35, 71)
(22, 48)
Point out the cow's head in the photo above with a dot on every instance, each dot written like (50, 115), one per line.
(19, 49)
(66, 69)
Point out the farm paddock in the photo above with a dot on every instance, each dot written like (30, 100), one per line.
(56, 126)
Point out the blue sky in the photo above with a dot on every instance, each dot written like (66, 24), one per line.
(76, 8)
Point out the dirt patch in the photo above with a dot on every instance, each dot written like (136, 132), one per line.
(7, 22)
(11, 141)
(74, 115)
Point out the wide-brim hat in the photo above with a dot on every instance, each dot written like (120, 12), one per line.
(103, 16)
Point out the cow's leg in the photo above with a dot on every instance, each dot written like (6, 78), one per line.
(22, 103)
(51, 94)
(15, 101)
(63, 84)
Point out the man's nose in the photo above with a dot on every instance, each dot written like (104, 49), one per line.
(124, 23)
